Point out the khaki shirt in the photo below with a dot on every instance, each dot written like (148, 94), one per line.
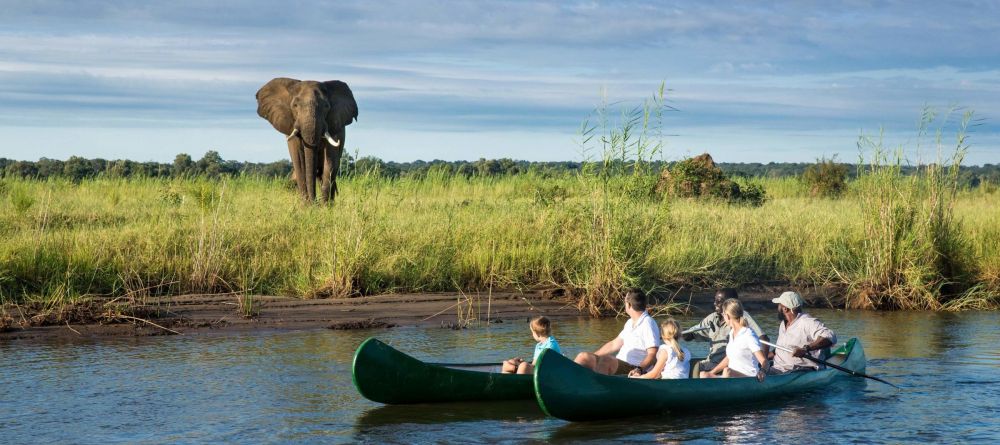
(717, 334)
(804, 330)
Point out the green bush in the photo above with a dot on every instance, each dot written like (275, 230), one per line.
(21, 199)
(751, 194)
(699, 177)
(826, 178)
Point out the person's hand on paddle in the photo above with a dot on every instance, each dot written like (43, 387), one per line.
(688, 336)
(799, 352)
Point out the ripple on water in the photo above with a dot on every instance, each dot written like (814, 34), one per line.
(296, 386)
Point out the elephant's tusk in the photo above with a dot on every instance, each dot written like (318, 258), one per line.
(294, 132)
(331, 140)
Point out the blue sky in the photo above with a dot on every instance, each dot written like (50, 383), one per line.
(754, 81)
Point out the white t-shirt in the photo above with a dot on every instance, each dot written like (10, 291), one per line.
(675, 368)
(637, 337)
(740, 352)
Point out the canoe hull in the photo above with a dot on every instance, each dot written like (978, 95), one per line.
(570, 392)
(385, 375)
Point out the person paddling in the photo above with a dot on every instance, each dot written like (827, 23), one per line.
(633, 349)
(801, 333)
(744, 354)
(715, 331)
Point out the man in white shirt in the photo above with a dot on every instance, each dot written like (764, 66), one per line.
(634, 348)
(800, 332)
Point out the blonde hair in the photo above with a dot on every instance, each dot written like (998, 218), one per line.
(670, 332)
(541, 326)
(734, 309)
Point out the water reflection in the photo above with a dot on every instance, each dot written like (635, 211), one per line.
(296, 386)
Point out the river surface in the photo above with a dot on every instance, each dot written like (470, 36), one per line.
(295, 387)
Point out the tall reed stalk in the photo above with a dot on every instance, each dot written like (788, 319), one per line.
(620, 227)
(911, 251)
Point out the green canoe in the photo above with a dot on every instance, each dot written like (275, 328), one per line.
(571, 392)
(385, 375)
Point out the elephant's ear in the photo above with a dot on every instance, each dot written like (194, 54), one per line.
(274, 101)
(343, 108)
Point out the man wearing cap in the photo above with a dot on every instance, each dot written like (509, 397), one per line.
(715, 331)
(800, 332)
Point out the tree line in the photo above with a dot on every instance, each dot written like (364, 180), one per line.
(212, 165)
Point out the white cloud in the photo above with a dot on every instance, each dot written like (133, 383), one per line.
(472, 68)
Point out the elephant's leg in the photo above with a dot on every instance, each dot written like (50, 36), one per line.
(319, 161)
(327, 172)
(295, 152)
(310, 172)
(331, 166)
(335, 154)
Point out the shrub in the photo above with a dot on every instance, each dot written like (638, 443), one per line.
(546, 195)
(21, 199)
(699, 177)
(826, 178)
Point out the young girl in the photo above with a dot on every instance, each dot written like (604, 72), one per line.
(744, 357)
(673, 361)
(541, 331)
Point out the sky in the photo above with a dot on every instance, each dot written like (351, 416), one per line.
(750, 81)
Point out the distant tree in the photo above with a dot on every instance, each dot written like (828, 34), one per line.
(488, 167)
(49, 168)
(210, 165)
(370, 165)
(183, 165)
(77, 168)
(280, 169)
(22, 169)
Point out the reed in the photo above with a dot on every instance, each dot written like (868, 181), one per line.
(914, 254)
(443, 234)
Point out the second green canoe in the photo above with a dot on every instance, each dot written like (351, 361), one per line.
(571, 392)
(385, 375)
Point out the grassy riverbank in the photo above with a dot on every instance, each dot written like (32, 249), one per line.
(65, 240)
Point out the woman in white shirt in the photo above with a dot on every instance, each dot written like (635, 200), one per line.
(744, 357)
(673, 361)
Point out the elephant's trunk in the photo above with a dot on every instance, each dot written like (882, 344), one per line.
(310, 134)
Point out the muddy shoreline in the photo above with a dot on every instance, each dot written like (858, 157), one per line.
(200, 314)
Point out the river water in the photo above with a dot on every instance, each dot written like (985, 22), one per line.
(293, 387)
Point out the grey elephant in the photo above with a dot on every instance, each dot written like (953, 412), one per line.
(313, 116)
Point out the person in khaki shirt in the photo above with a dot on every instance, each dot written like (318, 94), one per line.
(800, 332)
(715, 331)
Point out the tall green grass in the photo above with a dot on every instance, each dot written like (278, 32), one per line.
(915, 253)
(249, 235)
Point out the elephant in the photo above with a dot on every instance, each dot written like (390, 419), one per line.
(313, 116)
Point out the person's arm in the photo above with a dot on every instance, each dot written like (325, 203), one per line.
(699, 335)
(611, 347)
(718, 368)
(762, 359)
(661, 362)
(822, 336)
(650, 358)
(815, 345)
(759, 332)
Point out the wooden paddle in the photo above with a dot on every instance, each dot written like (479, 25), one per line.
(468, 365)
(694, 329)
(826, 363)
